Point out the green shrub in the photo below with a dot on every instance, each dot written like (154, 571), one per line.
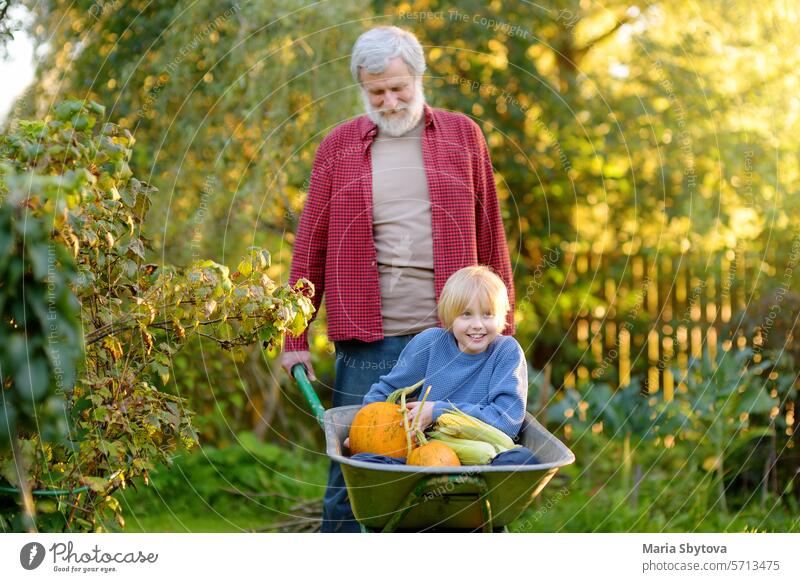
(69, 189)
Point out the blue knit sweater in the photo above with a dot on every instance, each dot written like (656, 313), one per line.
(491, 386)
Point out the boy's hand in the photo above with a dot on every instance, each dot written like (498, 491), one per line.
(346, 443)
(425, 413)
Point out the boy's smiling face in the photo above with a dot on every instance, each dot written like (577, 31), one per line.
(475, 328)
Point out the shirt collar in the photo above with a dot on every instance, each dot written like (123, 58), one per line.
(369, 129)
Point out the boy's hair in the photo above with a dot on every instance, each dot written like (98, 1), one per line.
(468, 283)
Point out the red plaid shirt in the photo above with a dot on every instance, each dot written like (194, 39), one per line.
(334, 248)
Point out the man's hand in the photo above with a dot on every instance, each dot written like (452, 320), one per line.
(424, 412)
(289, 359)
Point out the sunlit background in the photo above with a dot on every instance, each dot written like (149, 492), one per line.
(645, 156)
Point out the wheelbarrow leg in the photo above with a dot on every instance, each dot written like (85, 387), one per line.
(486, 507)
(434, 484)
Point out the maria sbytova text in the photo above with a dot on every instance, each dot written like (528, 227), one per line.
(683, 549)
(65, 553)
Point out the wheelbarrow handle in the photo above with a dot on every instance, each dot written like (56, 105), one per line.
(299, 374)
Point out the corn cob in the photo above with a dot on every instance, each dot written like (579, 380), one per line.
(461, 425)
(469, 452)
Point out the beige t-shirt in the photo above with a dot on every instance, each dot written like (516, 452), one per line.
(401, 219)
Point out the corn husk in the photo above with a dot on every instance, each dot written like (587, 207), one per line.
(461, 425)
(469, 452)
(407, 391)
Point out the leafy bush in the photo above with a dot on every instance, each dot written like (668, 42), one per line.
(72, 188)
(724, 412)
(730, 408)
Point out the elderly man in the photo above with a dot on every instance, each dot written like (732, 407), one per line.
(399, 199)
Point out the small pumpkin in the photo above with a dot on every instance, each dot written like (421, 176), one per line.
(382, 428)
(378, 428)
(434, 454)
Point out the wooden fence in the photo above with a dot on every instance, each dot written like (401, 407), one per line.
(658, 311)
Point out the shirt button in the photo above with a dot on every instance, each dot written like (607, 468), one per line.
(374, 263)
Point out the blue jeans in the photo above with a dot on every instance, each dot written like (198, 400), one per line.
(359, 365)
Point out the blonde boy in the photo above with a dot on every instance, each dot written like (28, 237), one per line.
(467, 363)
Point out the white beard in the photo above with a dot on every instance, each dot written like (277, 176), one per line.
(397, 124)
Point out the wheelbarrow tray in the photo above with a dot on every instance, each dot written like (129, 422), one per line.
(419, 498)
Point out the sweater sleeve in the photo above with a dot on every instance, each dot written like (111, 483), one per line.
(508, 395)
(409, 369)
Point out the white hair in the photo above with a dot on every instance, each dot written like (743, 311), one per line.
(375, 48)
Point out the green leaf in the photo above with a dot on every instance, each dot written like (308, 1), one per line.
(245, 267)
(298, 324)
(66, 109)
(757, 401)
(38, 254)
(97, 109)
(82, 122)
(163, 372)
(100, 413)
(81, 404)
(8, 471)
(114, 449)
(32, 380)
(136, 247)
(96, 484)
(8, 418)
(36, 300)
(46, 506)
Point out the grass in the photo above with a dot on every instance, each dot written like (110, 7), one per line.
(247, 486)
(253, 486)
(674, 495)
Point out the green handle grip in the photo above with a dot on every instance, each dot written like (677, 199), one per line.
(299, 374)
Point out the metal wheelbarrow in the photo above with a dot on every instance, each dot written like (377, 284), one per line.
(400, 497)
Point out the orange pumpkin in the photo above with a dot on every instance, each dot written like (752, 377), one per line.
(378, 428)
(434, 454)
